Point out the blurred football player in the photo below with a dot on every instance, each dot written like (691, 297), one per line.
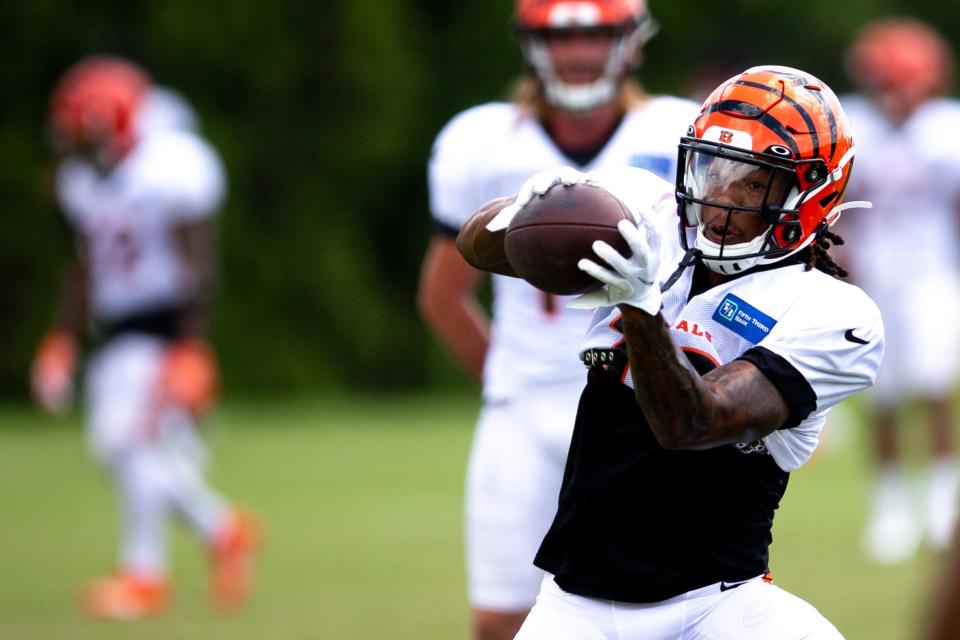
(907, 257)
(578, 104)
(714, 356)
(140, 189)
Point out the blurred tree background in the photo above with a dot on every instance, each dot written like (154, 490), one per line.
(324, 113)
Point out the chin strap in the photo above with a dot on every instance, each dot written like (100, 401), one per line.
(827, 222)
(688, 260)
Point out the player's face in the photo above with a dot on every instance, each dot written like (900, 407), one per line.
(732, 186)
(97, 144)
(899, 101)
(579, 56)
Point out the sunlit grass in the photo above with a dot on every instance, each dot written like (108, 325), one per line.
(362, 499)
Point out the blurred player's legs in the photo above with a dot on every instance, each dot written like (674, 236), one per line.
(513, 480)
(893, 531)
(921, 365)
(156, 459)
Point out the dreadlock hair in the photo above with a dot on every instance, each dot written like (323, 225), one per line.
(819, 258)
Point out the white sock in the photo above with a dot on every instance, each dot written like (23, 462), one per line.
(139, 475)
(893, 532)
(943, 481)
(891, 489)
(201, 507)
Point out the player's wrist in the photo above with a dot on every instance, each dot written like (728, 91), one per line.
(650, 301)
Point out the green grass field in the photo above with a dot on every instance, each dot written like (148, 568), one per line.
(362, 499)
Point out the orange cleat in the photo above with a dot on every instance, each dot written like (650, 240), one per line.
(232, 557)
(125, 597)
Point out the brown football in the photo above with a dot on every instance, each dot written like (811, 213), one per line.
(547, 238)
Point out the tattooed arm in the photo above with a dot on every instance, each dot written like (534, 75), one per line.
(733, 403)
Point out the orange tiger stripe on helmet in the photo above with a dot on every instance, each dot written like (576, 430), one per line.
(799, 111)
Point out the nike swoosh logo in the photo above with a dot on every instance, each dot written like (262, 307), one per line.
(848, 334)
(726, 586)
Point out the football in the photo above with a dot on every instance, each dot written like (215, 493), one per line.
(547, 238)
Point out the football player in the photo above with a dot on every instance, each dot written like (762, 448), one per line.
(577, 104)
(911, 171)
(714, 356)
(140, 190)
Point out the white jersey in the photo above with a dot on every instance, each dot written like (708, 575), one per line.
(489, 151)
(825, 330)
(127, 218)
(911, 173)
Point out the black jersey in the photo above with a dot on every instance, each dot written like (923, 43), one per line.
(638, 523)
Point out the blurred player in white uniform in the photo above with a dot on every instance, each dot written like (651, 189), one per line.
(907, 257)
(139, 188)
(715, 355)
(577, 105)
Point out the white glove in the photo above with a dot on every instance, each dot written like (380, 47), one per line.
(632, 280)
(537, 185)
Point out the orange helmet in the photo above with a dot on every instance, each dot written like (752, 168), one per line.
(627, 20)
(901, 54)
(778, 139)
(94, 106)
(531, 15)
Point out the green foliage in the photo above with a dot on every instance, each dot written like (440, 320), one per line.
(325, 113)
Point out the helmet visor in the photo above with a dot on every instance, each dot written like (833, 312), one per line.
(734, 183)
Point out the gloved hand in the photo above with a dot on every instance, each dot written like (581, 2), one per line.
(51, 374)
(537, 185)
(189, 377)
(631, 280)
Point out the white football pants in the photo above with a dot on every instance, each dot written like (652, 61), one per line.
(755, 610)
(156, 458)
(513, 482)
(922, 349)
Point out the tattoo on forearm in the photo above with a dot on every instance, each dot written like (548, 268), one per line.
(732, 403)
